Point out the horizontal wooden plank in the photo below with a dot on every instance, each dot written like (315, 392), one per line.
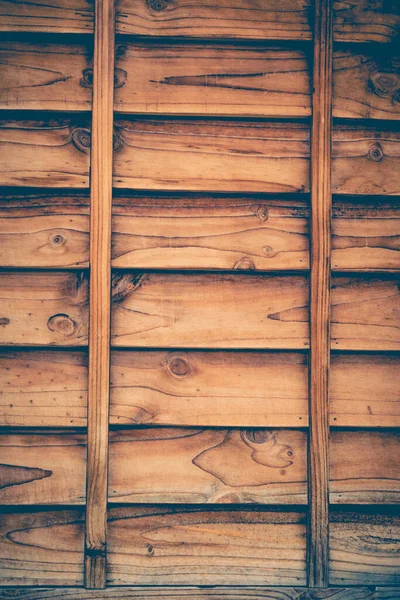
(169, 546)
(209, 310)
(41, 548)
(202, 466)
(42, 230)
(364, 467)
(43, 468)
(45, 76)
(365, 551)
(364, 390)
(43, 388)
(209, 389)
(365, 313)
(44, 154)
(44, 309)
(209, 233)
(55, 16)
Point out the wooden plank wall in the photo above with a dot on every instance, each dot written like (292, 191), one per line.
(209, 423)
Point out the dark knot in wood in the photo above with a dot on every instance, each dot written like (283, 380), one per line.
(117, 141)
(86, 80)
(375, 152)
(120, 77)
(61, 323)
(157, 5)
(245, 264)
(384, 85)
(57, 240)
(178, 367)
(81, 138)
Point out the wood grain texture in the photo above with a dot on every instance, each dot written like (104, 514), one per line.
(366, 21)
(208, 466)
(44, 309)
(44, 154)
(41, 547)
(364, 467)
(364, 390)
(216, 80)
(55, 16)
(209, 310)
(44, 231)
(42, 468)
(43, 388)
(209, 233)
(365, 313)
(43, 76)
(231, 547)
(364, 550)
(209, 389)
(211, 155)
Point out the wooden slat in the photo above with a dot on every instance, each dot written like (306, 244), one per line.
(44, 309)
(364, 467)
(43, 388)
(215, 80)
(166, 546)
(41, 230)
(364, 390)
(45, 154)
(366, 21)
(100, 294)
(209, 310)
(365, 550)
(41, 548)
(209, 233)
(202, 466)
(366, 85)
(55, 16)
(366, 235)
(42, 468)
(209, 389)
(45, 76)
(365, 313)
(211, 155)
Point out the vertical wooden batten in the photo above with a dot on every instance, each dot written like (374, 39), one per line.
(321, 200)
(100, 311)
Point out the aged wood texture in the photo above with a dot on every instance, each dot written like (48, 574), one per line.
(209, 233)
(364, 467)
(365, 550)
(44, 309)
(45, 76)
(46, 154)
(210, 389)
(55, 16)
(41, 547)
(216, 80)
(218, 466)
(100, 295)
(231, 547)
(42, 468)
(42, 230)
(43, 388)
(209, 310)
(364, 390)
(320, 301)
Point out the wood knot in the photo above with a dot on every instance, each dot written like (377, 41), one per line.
(157, 5)
(120, 77)
(4, 321)
(81, 138)
(117, 141)
(268, 250)
(178, 367)
(384, 85)
(61, 323)
(261, 212)
(244, 264)
(86, 81)
(150, 550)
(57, 240)
(123, 284)
(375, 152)
(257, 436)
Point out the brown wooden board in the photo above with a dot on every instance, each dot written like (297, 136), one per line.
(55, 16)
(169, 546)
(41, 547)
(43, 309)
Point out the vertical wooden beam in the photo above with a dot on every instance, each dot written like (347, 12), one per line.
(321, 201)
(100, 311)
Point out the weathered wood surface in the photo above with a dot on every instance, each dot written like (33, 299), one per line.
(55, 16)
(44, 309)
(44, 153)
(45, 76)
(167, 546)
(43, 468)
(365, 313)
(215, 80)
(198, 466)
(209, 310)
(364, 390)
(42, 230)
(365, 550)
(209, 233)
(41, 548)
(364, 467)
(43, 388)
